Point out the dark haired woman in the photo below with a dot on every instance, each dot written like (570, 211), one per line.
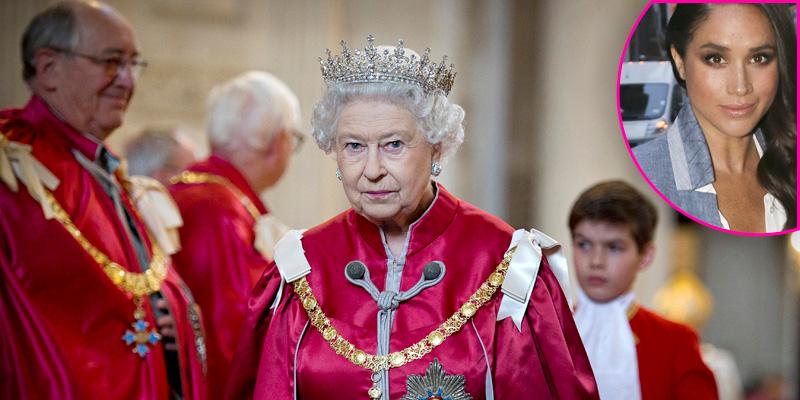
(729, 158)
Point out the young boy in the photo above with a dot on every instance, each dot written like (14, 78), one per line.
(635, 354)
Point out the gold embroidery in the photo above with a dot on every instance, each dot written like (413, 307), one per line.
(137, 284)
(189, 177)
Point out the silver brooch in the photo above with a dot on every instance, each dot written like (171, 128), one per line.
(436, 385)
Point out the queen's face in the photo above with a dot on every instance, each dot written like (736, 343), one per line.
(731, 70)
(385, 162)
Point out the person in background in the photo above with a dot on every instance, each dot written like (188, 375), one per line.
(160, 153)
(635, 354)
(90, 306)
(228, 233)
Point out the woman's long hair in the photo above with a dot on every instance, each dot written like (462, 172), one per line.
(777, 168)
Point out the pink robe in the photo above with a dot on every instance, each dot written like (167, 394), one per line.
(61, 317)
(546, 360)
(218, 259)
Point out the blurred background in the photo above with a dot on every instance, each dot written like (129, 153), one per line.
(538, 83)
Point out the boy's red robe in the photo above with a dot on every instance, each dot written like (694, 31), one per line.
(670, 363)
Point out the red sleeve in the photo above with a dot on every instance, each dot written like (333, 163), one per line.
(30, 361)
(249, 345)
(694, 380)
(547, 356)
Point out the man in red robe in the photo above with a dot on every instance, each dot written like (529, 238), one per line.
(635, 353)
(89, 305)
(228, 234)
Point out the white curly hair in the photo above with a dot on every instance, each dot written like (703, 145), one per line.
(240, 109)
(440, 121)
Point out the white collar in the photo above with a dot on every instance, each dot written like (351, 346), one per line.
(610, 345)
(774, 212)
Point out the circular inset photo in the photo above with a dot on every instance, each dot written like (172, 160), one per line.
(707, 102)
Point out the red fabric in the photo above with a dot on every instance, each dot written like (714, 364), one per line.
(61, 318)
(670, 364)
(217, 259)
(546, 360)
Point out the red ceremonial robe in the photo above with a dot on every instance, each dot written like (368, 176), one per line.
(546, 360)
(670, 364)
(61, 317)
(218, 260)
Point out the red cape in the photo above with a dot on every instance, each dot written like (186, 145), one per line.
(217, 259)
(61, 317)
(670, 363)
(545, 360)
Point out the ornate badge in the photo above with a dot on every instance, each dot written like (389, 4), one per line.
(140, 339)
(436, 385)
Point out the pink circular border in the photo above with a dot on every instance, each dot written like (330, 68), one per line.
(625, 136)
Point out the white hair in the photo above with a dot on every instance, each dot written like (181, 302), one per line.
(440, 121)
(252, 108)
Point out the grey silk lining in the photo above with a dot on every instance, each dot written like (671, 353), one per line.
(277, 300)
(489, 383)
(296, 351)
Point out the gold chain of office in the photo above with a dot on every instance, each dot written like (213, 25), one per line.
(193, 178)
(136, 283)
(377, 363)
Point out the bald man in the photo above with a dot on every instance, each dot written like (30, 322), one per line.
(90, 307)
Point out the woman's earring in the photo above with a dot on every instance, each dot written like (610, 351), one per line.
(338, 174)
(436, 168)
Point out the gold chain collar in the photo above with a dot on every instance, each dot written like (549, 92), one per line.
(377, 363)
(138, 284)
(190, 178)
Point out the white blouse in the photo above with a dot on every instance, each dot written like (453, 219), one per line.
(774, 213)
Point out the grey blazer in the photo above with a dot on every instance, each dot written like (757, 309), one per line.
(679, 162)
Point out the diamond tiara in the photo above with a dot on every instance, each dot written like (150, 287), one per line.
(385, 65)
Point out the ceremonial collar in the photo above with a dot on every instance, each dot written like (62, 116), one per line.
(218, 166)
(429, 226)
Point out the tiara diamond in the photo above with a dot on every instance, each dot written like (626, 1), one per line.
(375, 64)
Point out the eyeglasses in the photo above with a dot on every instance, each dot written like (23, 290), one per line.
(113, 64)
(297, 140)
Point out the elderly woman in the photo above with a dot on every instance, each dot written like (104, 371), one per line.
(730, 157)
(412, 293)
